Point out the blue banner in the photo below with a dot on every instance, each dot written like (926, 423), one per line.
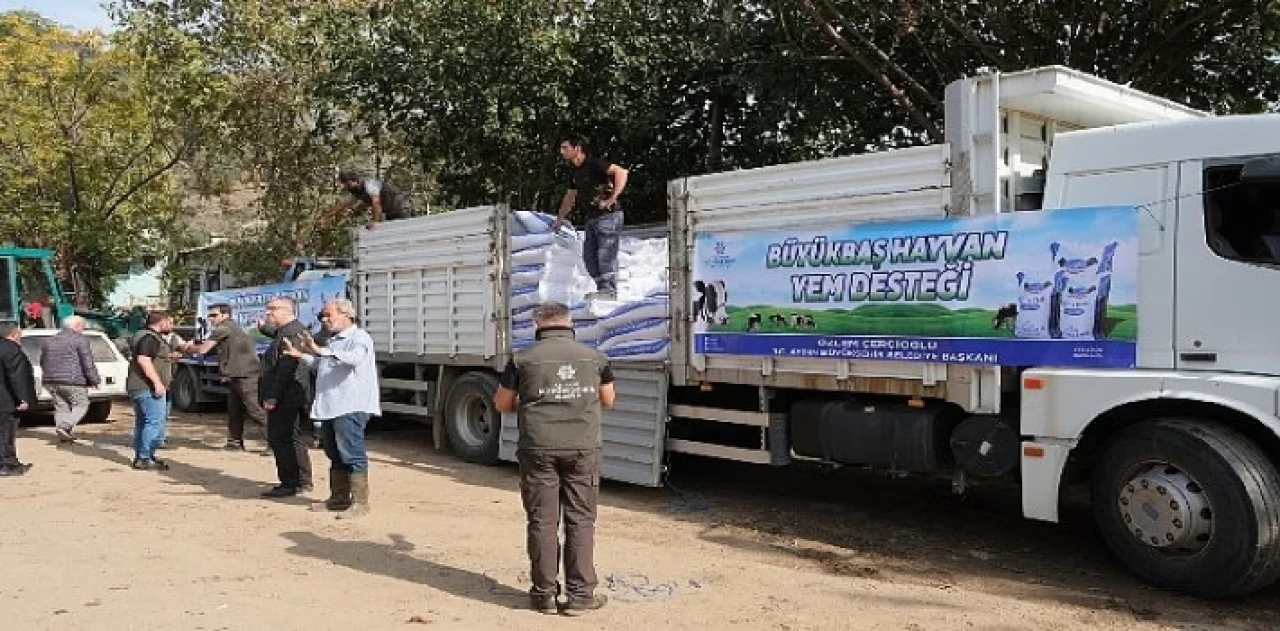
(249, 304)
(1047, 288)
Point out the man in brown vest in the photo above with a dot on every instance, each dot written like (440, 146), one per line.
(557, 387)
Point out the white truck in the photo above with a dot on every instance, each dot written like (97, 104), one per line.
(1174, 427)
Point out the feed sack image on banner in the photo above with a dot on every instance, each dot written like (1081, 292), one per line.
(1047, 288)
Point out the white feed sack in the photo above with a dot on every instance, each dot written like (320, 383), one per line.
(634, 326)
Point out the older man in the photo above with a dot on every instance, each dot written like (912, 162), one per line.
(17, 394)
(346, 397)
(285, 388)
(68, 372)
(557, 387)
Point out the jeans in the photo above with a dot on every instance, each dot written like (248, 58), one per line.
(151, 418)
(552, 483)
(600, 249)
(284, 434)
(343, 439)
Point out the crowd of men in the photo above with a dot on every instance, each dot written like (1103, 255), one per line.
(557, 387)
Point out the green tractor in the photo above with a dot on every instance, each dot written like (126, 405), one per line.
(31, 295)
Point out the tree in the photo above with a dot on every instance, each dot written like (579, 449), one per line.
(89, 141)
(1219, 56)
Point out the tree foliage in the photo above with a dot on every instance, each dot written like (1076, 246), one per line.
(89, 140)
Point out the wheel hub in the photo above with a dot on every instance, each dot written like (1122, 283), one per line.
(1165, 508)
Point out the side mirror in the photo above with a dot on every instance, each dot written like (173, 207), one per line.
(1261, 171)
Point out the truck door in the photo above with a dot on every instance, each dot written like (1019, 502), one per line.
(1227, 270)
(8, 290)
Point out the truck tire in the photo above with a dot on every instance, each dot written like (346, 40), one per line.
(1191, 506)
(99, 412)
(474, 426)
(186, 390)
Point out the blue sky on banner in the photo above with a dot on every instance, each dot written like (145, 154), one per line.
(1081, 233)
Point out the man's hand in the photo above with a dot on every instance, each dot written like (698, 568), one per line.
(606, 204)
(176, 355)
(24, 406)
(555, 225)
(309, 345)
(286, 347)
(269, 405)
(159, 391)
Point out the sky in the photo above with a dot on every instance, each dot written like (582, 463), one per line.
(78, 14)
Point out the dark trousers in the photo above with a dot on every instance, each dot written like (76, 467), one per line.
(600, 249)
(242, 403)
(9, 439)
(554, 483)
(284, 434)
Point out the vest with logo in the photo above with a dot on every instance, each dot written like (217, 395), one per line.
(559, 392)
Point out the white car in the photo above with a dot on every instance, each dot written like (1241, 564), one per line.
(113, 368)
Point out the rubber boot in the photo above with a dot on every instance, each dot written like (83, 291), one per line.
(359, 497)
(339, 492)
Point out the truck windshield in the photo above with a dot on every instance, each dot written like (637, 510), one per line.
(1242, 220)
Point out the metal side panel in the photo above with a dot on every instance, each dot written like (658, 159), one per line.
(891, 185)
(634, 430)
(429, 285)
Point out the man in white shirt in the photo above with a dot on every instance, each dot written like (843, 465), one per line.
(346, 396)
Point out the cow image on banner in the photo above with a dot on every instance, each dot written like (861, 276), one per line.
(1047, 288)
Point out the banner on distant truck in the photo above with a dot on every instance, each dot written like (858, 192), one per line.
(249, 304)
(1047, 288)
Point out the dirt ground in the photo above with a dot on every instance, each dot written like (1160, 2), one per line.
(87, 543)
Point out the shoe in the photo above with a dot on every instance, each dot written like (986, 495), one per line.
(13, 471)
(281, 491)
(339, 493)
(234, 445)
(544, 604)
(359, 497)
(64, 435)
(150, 465)
(581, 606)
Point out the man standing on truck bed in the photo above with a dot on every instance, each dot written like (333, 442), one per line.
(285, 389)
(384, 200)
(68, 371)
(594, 189)
(238, 364)
(557, 387)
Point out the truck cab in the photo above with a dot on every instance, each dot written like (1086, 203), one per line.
(27, 277)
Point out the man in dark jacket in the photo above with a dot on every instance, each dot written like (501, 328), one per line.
(557, 388)
(239, 367)
(285, 390)
(68, 372)
(17, 394)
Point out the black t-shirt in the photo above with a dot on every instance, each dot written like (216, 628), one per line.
(592, 182)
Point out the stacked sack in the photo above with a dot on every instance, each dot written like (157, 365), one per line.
(548, 267)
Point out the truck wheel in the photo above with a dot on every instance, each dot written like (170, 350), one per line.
(186, 391)
(99, 412)
(475, 427)
(1191, 506)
